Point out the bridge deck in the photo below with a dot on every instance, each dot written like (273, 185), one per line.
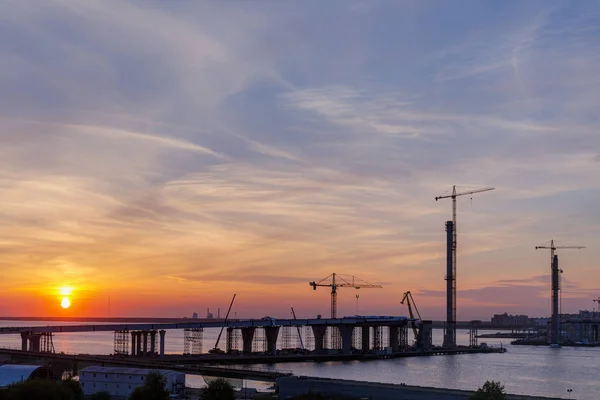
(372, 321)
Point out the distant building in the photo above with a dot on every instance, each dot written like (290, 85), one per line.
(13, 373)
(121, 382)
(195, 315)
(514, 320)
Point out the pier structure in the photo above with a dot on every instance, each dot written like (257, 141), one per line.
(37, 342)
(356, 334)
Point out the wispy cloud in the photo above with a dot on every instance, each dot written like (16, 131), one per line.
(195, 160)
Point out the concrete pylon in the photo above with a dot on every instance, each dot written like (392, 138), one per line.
(162, 333)
(34, 343)
(346, 333)
(394, 338)
(319, 334)
(145, 345)
(153, 342)
(247, 337)
(138, 344)
(133, 346)
(271, 333)
(366, 339)
(24, 341)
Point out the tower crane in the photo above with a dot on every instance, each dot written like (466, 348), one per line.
(555, 322)
(450, 339)
(356, 283)
(410, 302)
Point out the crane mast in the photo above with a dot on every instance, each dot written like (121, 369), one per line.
(450, 337)
(555, 320)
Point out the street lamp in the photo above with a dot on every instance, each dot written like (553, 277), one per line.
(569, 391)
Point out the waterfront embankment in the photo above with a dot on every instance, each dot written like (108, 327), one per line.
(298, 385)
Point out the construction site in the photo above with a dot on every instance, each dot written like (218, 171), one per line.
(330, 337)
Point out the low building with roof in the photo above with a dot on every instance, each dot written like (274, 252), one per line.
(121, 382)
(15, 373)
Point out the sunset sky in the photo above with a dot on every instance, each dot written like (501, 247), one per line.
(158, 156)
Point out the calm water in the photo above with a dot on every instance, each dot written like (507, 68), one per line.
(523, 370)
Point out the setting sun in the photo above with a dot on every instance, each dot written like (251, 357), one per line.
(65, 303)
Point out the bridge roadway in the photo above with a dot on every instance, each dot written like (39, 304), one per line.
(237, 323)
(256, 374)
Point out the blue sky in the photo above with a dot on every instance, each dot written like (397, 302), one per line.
(190, 150)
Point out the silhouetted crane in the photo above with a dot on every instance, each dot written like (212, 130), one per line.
(341, 282)
(410, 302)
(555, 319)
(450, 339)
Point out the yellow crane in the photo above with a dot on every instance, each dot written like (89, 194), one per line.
(410, 302)
(336, 282)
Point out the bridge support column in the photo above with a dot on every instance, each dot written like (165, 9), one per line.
(346, 333)
(145, 345)
(162, 333)
(153, 343)
(34, 342)
(366, 339)
(319, 334)
(247, 336)
(394, 339)
(133, 346)
(24, 341)
(138, 343)
(272, 332)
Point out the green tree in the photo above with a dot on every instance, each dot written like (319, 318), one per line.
(490, 391)
(100, 396)
(75, 387)
(154, 388)
(219, 389)
(38, 389)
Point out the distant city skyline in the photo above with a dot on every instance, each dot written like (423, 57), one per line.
(158, 157)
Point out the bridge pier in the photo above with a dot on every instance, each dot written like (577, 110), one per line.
(145, 345)
(153, 343)
(34, 342)
(319, 334)
(24, 341)
(162, 333)
(271, 333)
(366, 339)
(133, 345)
(394, 339)
(138, 344)
(346, 333)
(247, 337)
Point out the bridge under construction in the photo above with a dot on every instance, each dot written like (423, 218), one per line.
(266, 336)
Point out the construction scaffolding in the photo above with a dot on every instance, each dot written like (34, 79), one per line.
(192, 340)
(357, 338)
(380, 334)
(288, 337)
(309, 338)
(403, 337)
(233, 340)
(335, 338)
(46, 343)
(121, 342)
(259, 341)
(473, 333)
